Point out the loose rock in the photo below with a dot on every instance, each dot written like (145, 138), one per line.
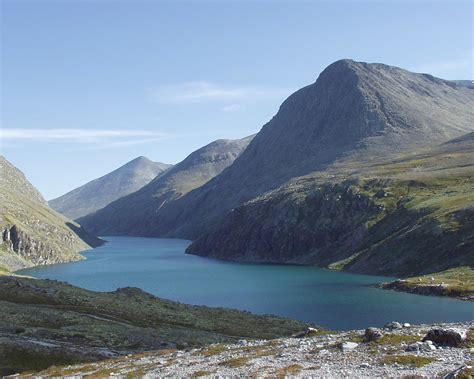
(447, 337)
(421, 346)
(393, 325)
(347, 346)
(372, 334)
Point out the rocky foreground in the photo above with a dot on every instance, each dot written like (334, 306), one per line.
(396, 351)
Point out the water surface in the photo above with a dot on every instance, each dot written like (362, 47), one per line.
(336, 300)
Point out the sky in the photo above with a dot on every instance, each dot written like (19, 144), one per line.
(87, 86)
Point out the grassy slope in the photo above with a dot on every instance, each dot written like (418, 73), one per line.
(456, 282)
(407, 216)
(49, 236)
(427, 202)
(436, 189)
(81, 325)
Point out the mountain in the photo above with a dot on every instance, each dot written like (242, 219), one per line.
(354, 111)
(409, 215)
(465, 83)
(139, 212)
(33, 233)
(100, 192)
(338, 178)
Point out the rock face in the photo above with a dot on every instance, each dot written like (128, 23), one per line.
(369, 218)
(102, 191)
(140, 213)
(31, 232)
(369, 169)
(353, 110)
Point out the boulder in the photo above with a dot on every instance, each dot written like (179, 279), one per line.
(421, 346)
(393, 325)
(372, 334)
(446, 337)
(348, 346)
(309, 332)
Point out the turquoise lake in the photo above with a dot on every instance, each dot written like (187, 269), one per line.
(335, 300)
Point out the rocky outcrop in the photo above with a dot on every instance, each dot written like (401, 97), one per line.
(35, 251)
(318, 225)
(402, 217)
(31, 232)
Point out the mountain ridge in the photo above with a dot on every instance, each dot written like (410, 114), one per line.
(136, 213)
(384, 109)
(100, 192)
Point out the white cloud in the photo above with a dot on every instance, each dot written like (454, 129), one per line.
(72, 134)
(231, 108)
(203, 91)
(98, 138)
(461, 67)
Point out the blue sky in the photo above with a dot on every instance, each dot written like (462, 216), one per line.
(88, 85)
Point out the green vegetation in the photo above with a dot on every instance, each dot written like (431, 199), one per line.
(293, 369)
(459, 281)
(396, 339)
(467, 373)
(407, 360)
(456, 282)
(45, 235)
(81, 325)
(200, 373)
(236, 362)
(22, 359)
(214, 350)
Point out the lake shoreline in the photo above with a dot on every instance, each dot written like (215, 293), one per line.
(311, 294)
(423, 289)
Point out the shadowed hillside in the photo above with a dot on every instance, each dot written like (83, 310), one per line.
(139, 213)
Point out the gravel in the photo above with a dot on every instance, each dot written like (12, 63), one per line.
(324, 355)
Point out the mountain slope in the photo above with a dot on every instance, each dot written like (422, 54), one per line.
(405, 216)
(100, 192)
(353, 111)
(139, 212)
(33, 233)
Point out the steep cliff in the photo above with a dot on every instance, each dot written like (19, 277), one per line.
(405, 216)
(31, 232)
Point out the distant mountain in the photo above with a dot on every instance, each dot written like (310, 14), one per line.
(139, 212)
(100, 192)
(31, 232)
(465, 83)
(354, 111)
